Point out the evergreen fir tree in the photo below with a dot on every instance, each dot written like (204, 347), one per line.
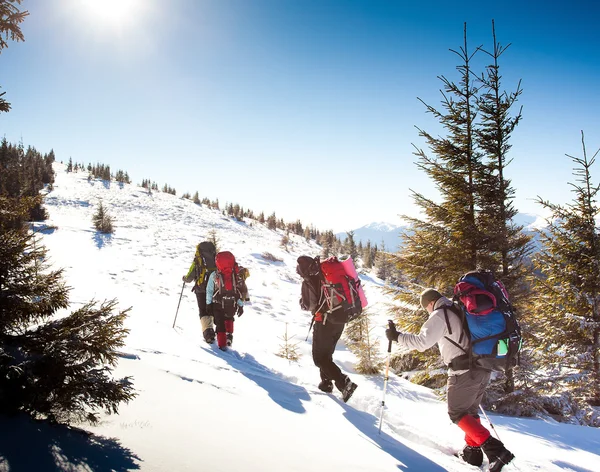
(361, 341)
(567, 295)
(506, 244)
(288, 350)
(272, 221)
(327, 243)
(367, 255)
(103, 222)
(470, 226)
(55, 368)
(213, 237)
(350, 246)
(444, 245)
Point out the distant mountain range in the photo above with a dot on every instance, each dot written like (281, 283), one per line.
(390, 234)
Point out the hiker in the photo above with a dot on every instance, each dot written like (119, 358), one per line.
(327, 330)
(225, 291)
(202, 266)
(465, 388)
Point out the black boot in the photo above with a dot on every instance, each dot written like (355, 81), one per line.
(472, 455)
(497, 454)
(326, 386)
(229, 339)
(348, 390)
(209, 335)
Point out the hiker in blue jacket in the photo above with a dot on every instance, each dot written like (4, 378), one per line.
(465, 388)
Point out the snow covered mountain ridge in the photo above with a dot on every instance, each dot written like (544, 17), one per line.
(391, 234)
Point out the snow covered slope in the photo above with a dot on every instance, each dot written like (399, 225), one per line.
(246, 409)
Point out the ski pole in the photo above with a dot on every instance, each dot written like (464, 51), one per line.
(490, 423)
(385, 381)
(180, 295)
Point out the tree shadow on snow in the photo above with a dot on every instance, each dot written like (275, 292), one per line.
(283, 392)
(100, 239)
(27, 445)
(368, 424)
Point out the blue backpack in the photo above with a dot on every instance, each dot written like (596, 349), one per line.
(489, 320)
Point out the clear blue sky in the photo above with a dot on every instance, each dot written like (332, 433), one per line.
(307, 107)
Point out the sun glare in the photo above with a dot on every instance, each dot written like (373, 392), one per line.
(112, 12)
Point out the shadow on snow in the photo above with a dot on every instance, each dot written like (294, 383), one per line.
(27, 445)
(286, 394)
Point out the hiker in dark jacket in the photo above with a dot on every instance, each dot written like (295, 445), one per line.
(326, 334)
(201, 268)
(465, 388)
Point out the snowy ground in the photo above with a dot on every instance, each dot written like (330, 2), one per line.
(246, 409)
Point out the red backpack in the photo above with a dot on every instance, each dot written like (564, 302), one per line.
(340, 292)
(228, 283)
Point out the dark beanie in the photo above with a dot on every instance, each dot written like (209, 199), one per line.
(428, 296)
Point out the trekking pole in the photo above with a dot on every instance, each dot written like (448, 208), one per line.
(385, 380)
(180, 295)
(490, 423)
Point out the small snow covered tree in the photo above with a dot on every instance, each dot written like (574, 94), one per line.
(51, 366)
(103, 222)
(288, 350)
(567, 295)
(360, 340)
(213, 237)
(285, 242)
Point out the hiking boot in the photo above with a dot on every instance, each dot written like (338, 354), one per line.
(472, 455)
(503, 459)
(348, 390)
(229, 339)
(497, 454)
(209, 335)
(326, 386)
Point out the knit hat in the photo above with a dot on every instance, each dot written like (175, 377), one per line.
(428, 296)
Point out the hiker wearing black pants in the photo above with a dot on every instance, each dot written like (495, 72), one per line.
(465, 387)
(325, 338)
(327, 327)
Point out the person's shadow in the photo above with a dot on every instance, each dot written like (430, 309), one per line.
(286, 394)
(27, 445)
(408, 458)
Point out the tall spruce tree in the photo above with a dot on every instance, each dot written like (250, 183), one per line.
(51, 367)
(470, 225)
(567, 295)
(445, 244)
(504, 245)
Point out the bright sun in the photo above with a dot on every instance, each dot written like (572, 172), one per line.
(112, 11)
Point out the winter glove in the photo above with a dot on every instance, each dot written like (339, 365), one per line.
(392, 333)
(210, 310)
(183, 279)
(240, 310)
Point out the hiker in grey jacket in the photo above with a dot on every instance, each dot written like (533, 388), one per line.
(465, 388)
